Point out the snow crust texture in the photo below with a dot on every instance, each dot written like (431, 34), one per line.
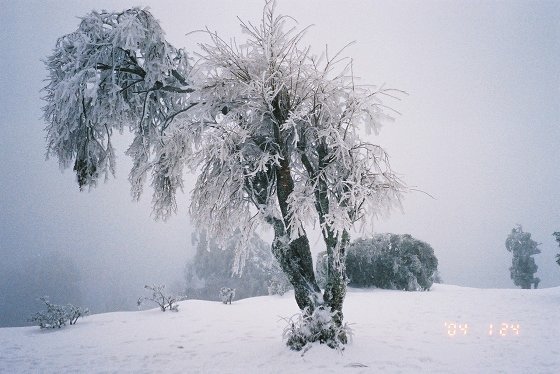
(449, 329)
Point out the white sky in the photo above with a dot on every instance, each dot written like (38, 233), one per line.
(479, 131)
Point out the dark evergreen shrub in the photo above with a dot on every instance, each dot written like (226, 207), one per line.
(523, 266)
(388, 261)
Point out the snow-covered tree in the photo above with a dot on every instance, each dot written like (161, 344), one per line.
(557, 236)
(523, 266)
(274, 132)
(213, 267)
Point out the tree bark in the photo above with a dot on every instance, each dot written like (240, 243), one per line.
(294, 255)
(296, 262)
(335, 289)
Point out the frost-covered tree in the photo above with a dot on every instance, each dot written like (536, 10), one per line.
(557, 236)
(213, 267)
(274, 132)
(116, 70)
(523, 266)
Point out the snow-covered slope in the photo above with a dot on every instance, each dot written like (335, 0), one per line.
(394, 332)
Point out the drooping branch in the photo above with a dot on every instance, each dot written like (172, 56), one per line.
(115, 70)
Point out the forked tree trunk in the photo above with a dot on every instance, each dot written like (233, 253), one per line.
(296, 262)
(295, 256)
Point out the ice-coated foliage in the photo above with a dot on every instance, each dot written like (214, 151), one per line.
(387, 261)
(557, 236)
(57, 316)
(227, 294)
(160, 297)
(276, 134)
(523, 266)
(321, 269)
(305, 328)
(278, 283)
(213, 267)
(115, 71)
(275, 102)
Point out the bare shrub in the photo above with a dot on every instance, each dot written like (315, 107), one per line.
(227, 294)
(57, 316)
(163, 300)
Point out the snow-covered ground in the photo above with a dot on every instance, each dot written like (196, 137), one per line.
(394, 332)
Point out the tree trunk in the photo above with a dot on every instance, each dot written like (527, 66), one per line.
(296, 262)
(335, 289)
(293, 257)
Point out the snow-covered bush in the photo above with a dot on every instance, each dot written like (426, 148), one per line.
(74, 312)
(57, 316)
(305, 328)
(18, 303)
(391, 261)
(161, 298)
(227, 294)
(387, 261)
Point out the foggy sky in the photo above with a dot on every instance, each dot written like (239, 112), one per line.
(479, 131)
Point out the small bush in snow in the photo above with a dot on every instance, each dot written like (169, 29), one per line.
(163, 300)
(227, 294)
(74, 312)
(57, 316)
(304, 329)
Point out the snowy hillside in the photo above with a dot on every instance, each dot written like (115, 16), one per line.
(395, 332)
